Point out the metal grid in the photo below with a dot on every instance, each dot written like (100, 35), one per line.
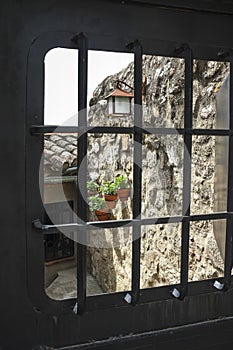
(81, 227)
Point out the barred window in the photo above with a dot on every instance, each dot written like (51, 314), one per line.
(153, 129)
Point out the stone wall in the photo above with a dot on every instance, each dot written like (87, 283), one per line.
(162, 169)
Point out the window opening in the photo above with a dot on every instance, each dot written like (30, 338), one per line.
(109, 260)
(208, 77)
(163, 91)
(61, 87)
(111, 88)
(206, 187)
(110, 176)
(160, 255)
(162, 175)
(205, 260)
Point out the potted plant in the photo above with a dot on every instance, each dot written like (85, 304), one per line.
(110, 195)
(122, 187)
(92, 188)
(98, 206)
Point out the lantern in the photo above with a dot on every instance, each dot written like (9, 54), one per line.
(119, 103)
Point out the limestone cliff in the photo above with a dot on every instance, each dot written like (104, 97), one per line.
(162, 165)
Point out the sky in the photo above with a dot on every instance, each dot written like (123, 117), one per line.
(61, 79)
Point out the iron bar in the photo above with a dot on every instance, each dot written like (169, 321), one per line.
(186, 170)
(82, 171)
(49, 129)
(47, 229)
(229, 226)
(137, 171)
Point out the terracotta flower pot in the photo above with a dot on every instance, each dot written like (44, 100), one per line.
(123, 194)
(111, 200)
(102, 215)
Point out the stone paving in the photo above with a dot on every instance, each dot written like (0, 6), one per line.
(65, 285)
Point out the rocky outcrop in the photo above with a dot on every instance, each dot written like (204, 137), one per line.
(162, 169)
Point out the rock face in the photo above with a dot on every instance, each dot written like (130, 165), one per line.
(162, 175)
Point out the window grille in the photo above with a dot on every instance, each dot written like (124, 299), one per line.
(136, 295)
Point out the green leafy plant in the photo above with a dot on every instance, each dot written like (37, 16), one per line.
(109, 188)
(92, 186)
(96, 203)
(121, 182)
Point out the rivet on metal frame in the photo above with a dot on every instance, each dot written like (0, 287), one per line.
(175, 293)
(218, 285)
(128, 298)
(75, 309)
